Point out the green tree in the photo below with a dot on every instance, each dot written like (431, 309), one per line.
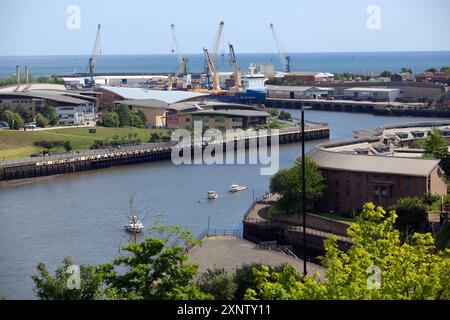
(124, 113)
(435, 145)
(156, 269)
(408, 271)
(412, 214)
(49, 287)
(50, 113)
(67, 146)
(273, 112)
(41, 120)
(154, 137)
(445, 69)
(143, 117)
(217, 283)
(135, 120)
(284, 115)
(443, 237)
(13, 119)
(288, 183)
(408, 70)
(434, 70)
(110, 119)
(386, 74)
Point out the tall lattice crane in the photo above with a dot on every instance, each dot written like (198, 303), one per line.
(182, 60)
(285, 60)
(211, 71)
(236, 70)
(93, 59)
(216, 45)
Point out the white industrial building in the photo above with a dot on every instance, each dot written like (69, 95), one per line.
(372, 94)
(298, 92)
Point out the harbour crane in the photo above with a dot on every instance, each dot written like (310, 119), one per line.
(182, 60)
(216, 44)
(210, 70)
(285, 60)
(93, 59)
(236, 70)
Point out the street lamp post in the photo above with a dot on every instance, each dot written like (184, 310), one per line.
(305, 272)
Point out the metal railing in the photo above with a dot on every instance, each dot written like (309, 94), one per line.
(142, 147)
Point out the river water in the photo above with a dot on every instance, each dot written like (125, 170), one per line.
(82, 215)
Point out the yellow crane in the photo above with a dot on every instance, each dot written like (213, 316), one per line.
(236, 70)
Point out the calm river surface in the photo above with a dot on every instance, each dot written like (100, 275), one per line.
(82, 215)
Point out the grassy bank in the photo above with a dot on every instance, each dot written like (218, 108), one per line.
(19, 144)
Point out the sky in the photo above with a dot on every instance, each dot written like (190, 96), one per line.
(53, 27)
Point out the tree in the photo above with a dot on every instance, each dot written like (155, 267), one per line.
(143, 117)
(435, 145)
(41, 120)
(154, 137)
(156, 269)
(443, 237)
(110, 119)
(67, 146)
(50, 113)
(412, 214)
(445, 69)
(433, 70)
(288, 183)
(407, 70)
(284, 115)
(13, 119)
(407, 271)
(124, 115)
(386, 74)
(273, 112)
(48, 287)
(135, 120)
(217, 283)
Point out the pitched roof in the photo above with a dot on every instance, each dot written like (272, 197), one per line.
(417, 167)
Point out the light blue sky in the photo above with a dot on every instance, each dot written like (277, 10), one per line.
(30, 27)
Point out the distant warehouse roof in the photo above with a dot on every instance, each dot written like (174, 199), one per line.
(144, 94)
(375, 164)
(238, 113)
(372, 89)
(57, 97)
(32, 86)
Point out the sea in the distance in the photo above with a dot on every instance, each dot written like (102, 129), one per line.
(364, 63)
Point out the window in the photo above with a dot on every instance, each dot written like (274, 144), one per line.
(408, 189)
(336, 183)
(358, 185)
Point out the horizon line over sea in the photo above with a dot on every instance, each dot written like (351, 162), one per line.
(337, 62)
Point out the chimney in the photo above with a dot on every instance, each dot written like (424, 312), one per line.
(26, 74)
(17, 75)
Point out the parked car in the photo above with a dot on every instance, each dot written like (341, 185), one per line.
(31, 125)
(4, 125)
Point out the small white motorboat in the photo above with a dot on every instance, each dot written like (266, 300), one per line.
(135, 225)
(212, 195)
(236, 188)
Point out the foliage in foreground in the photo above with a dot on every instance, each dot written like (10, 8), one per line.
(157, 269)
(153, 269)
(413, 270)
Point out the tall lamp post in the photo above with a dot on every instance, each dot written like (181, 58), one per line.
(305, 272)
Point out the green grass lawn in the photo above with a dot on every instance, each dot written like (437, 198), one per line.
(274, 210)
(19, 144)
